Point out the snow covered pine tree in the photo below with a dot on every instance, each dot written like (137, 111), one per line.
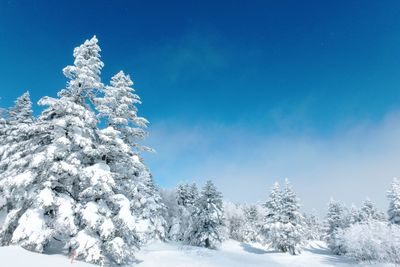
(336, 221)
(186, 197)
(394, 202)
(15, 136)
(15, 128)
(207, 220)
(251, 227)
(283, 224)
(368, 212)
(63, 186)
(273, 208)
(121, 152)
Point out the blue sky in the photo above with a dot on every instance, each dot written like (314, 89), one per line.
(241, 92)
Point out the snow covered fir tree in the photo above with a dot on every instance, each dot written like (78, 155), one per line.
(68, 182)
(394, 202)
(206, 220)
(283, 223)
(73, 181)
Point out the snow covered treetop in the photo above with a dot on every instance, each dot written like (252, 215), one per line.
(22, 110)
(122, 80)
(85, 73)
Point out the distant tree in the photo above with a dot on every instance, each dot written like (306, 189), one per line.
(336, 221)
(375, 241)
(207, 219)
(235, 221)
(312, 227)
(18, 134)
(21, 112)
(292, 232)
(273, 211)
(252, 224)
(354, 215)
(283, 224)
(182, 194)
(369, 212)
(3, 114)
(394, 202)
(193, 194)
(186, 194)
(16, 127)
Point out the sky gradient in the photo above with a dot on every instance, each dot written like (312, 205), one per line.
(241, 92)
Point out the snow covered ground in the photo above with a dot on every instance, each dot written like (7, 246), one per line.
(231, 254)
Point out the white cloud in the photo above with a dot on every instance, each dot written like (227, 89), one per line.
(349, 165)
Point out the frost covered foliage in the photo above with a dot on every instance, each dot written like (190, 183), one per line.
(148, 207)
(22, 111)
(372, 241)
(342, 224)
(207, 219)
(336, 221)
(369, 212)
(15, 124)
(234, 221)
(252, 225)
(313, 229)
(121, 152)
(67, 181)
(118, 106)
(394, 202)
(242, 223)
(182, 207)
(283, 224)
(171, 211)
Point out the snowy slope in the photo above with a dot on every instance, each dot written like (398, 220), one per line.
(231, 254)
(18, 257)
(236, 254)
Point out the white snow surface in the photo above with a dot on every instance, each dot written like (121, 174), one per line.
(230, 254)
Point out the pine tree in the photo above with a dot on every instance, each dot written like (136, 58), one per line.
(186, 194)
(369, 212)
(22, 110)
(118, 106)
(121, 152)
(394, 202)
(182, 193)
(234, 221)
(291, 231)
(193, 194)
(62, 182)
(149, 207)
(354, 215)
(3, 112)
(51, 165)
(251, 227)
(313, 227)
(273, 216)
(336, 221)
(207, 219)
(16, 129)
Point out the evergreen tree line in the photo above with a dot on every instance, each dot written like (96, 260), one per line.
(365, 234)
(205, 220)
(73, 178)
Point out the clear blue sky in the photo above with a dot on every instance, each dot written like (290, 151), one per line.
(213, 74)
